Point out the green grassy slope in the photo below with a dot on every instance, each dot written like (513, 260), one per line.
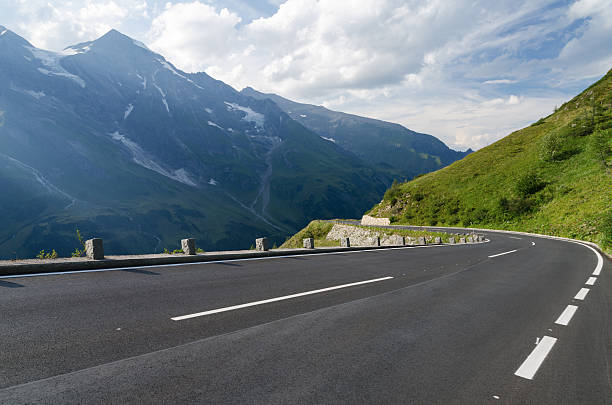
(553, 177)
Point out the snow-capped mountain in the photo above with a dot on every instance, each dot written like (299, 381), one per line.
(109, 137)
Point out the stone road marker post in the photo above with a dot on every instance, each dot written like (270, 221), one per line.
(188, 246)
(309, 243)
(94, 249)
(345, 242)
(262, 244)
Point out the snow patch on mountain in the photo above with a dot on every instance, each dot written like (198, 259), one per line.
(3, 32)
(250, 116)
(163, 94)
(128, 111)
(36, 94)
(75, 51)
(212, 182)
(166, 105)
(303, 115)
(52, 61)
(140, 44)
(208, 110)
(139, 156)
(144, 81)
(329, 139)
(168, 66)
(212, 124)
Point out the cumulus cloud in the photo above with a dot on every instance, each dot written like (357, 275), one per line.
(195, 35)
(55, 25)
(466, 71)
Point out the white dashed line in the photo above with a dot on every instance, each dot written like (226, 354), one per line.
(505, 253)
(581, 294)
(533, 362)
(286, 297)
(591, 281)
(565, 318)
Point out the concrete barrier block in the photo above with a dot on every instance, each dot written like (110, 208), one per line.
(262, 244)
(421, 241)
(309, 243)
(345, 242)
(461, 240)
(451, 240)
(94, 248)
(188, 246)
(437, 240)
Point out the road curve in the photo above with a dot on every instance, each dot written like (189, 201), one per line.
(438, 324)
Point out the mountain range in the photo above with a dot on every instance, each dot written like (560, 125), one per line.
(110, 138)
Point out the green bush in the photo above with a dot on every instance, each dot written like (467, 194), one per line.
(599, 146)
(528, 184)
(551, 147)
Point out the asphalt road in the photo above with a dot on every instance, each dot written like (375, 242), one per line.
(439, 324)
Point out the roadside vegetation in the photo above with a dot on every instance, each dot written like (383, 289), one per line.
(553, 177)
(319, 229)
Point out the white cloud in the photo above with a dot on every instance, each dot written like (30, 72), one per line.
(55, 25)
(500, 81)
(195, 35)
(466, 71)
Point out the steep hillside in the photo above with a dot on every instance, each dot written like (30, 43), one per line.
(382, 144)
(109, 137)
(553, 177)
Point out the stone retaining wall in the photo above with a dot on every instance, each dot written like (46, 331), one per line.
(368, 220)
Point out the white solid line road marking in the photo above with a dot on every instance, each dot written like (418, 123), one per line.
(533, 362)
(286, 297)
(581, 294)
(565, 318)
(514, 237)
(591, 281)
(505, 253)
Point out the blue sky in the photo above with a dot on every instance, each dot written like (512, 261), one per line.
(468, 72)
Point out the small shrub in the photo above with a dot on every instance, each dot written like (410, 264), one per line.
(528, 184)
(177, 252)
(599, 147)
(82, 251)
(166, 251)
(392, 192)
(551, 147)
(199, 250)
(515, 206)
(47, 255)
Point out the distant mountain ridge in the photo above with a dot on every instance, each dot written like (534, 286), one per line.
(378, 142)
(109, 137)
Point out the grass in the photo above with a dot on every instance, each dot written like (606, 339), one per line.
(549, 178)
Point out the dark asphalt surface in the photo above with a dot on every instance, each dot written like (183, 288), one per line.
(452, 326)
